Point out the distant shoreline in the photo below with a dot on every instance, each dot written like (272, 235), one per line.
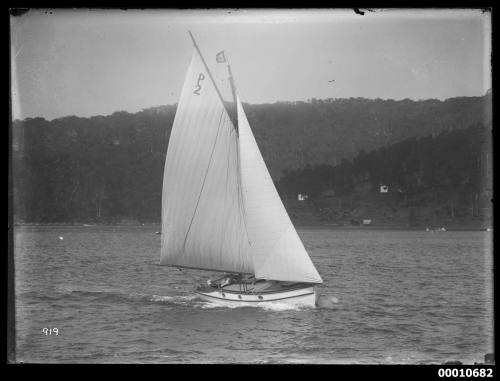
(388, 227)
(432, 229)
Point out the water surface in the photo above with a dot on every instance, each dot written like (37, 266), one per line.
(403, 297)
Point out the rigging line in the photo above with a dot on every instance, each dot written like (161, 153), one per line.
(228, 162)
(184, 121)
(241, 197)
(204, 179)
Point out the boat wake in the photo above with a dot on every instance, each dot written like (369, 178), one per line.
(197, 302)
(105, 296)
(327, 301)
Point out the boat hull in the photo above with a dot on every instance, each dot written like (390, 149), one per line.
(304, 297)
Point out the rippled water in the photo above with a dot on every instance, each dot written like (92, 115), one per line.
(403, 297)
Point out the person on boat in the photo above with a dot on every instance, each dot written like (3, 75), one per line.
(227, 280)
(230, 279)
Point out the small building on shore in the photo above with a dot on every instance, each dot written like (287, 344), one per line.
(302, 197)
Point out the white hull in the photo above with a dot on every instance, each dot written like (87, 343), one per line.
(304, 297)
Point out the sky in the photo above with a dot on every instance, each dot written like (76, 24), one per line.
(95, 62)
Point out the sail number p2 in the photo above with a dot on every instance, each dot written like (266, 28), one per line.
(201, 77)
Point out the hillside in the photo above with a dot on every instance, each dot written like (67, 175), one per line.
(434, 181)
(292, 135)
(109, 168)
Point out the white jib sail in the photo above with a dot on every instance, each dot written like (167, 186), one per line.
(202, 208)
(277, 251)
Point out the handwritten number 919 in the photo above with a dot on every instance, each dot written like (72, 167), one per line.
(50, 331)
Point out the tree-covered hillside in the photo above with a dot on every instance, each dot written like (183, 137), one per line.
(292, 135)
(447, 177)
(109, 168)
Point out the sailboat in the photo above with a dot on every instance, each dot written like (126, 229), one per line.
(220, 209)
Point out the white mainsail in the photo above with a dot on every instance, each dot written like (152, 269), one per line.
(202, 216)
(220, 209)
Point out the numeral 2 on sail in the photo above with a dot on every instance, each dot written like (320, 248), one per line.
(201, 77)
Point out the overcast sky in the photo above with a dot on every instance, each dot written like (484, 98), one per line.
(84, 63)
